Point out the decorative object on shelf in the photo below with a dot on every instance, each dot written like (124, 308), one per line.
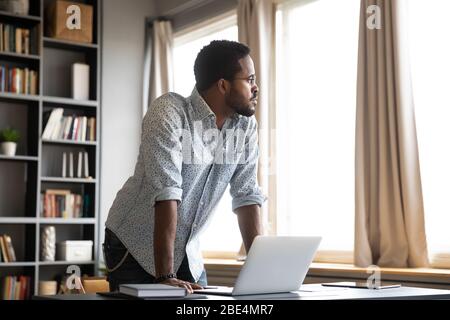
(9, 138)
(21, 7)
(80, 81)
(48, 244)
(75, 250)
(69, 21)
(48, 288)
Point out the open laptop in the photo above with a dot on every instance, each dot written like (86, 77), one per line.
(273, 265)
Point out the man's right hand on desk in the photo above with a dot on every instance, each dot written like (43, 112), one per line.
(190, 287)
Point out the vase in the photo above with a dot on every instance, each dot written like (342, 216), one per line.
(48, 244)
(9, 149)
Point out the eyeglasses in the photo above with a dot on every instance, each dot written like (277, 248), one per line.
(251, 80)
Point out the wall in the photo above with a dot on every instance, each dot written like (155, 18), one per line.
(122, 73)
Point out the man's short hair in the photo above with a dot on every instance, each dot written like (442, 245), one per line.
(218, 60)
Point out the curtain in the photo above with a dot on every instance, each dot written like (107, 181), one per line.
(256, 27)
(389, 222)
(158, 61)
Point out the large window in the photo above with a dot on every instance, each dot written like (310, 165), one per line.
(317, 47)
(222, 235)
(429, 32)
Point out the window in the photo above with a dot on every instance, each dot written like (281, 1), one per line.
(223, 233)
(430, 65)
(317, 47)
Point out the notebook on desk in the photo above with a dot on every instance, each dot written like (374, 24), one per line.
(273, 265)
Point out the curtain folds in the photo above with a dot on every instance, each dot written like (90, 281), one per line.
(389, 221)
(158, 61)
(256, 27)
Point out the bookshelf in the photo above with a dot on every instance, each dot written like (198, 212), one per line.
(36, 166)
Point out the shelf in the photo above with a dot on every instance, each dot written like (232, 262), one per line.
(19, 158)
(21, 199)
(17, 264)
(25, 18)
(67, 180)
(63, 263)
(17, 220)
(18, 97)
(68, 45)
(70, 142)
(70, 102)
(12, 56)
(67, 221)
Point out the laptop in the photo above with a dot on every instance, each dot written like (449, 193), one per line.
(273, 265)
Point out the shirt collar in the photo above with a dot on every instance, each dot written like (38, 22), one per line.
(201, 107)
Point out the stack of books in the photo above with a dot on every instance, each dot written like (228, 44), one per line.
(17, 80)
(18, 40)
(15, 288)
(7, 253)
(74, 128)
(64, 204)
(152, 291)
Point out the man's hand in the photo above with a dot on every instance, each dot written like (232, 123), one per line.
(190, 287)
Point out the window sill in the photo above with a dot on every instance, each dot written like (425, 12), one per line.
(225, 271)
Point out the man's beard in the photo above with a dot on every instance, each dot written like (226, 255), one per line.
(240, 106)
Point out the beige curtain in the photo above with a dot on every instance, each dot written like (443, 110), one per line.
(256, 25)
(158, 61)
(390, 228)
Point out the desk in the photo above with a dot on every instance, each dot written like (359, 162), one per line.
(311, 292)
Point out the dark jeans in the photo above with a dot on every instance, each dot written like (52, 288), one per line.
(123, 268)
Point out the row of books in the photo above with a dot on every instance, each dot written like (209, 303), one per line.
(64, 204)
(18, 40)
(15, 288)
(82, 167)
(7, 253)
(17, 80)
(72, 128)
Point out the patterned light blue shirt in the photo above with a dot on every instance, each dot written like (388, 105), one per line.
(184, 156)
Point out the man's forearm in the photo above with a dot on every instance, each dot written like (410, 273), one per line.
(249, 223)
(164, 236)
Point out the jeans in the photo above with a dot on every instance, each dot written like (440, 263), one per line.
(123, 268)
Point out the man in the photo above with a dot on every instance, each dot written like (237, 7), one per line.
(153, 227)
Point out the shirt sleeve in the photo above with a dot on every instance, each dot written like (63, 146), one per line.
(161, 150)
(244, 187)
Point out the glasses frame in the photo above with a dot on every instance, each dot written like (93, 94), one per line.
(251, 80)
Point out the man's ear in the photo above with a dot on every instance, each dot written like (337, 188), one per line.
(223, 86)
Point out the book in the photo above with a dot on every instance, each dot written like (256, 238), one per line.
(71, 165)
(86, 165)
(152, 290)
(80, 162)
(64, 166)
(10, 248)
(4, 250)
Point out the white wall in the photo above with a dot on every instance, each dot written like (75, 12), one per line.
(122, 73)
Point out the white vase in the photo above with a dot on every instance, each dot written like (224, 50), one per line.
(9, 148)
(48, 244)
